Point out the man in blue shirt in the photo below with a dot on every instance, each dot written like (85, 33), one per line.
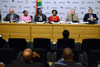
(67, 58)
(90, 17)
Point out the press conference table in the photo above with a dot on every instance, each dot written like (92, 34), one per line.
(52, 31)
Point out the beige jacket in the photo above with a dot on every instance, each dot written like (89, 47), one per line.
(69, 17)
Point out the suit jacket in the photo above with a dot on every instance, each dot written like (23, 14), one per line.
(15, 17)
(0, 17)
(69, 17)
(44, 18)
(87, 16)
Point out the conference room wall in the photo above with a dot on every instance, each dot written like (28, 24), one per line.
(62, 6)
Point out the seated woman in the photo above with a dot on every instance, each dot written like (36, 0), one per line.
(54, 18)
(25, 17)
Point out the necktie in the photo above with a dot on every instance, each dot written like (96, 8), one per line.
(72, 17)
(11, 17)
(90, 16)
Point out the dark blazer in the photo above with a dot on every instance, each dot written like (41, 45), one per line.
(0, 17)
(15, 17)
(44, 18)
(87, 16)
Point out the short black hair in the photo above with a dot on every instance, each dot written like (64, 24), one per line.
(55, 11)
(65, 34)
(25, 11)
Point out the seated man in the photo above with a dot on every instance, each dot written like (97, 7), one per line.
(0, 17)
(72, 17)
(40, 17)
(67, 58)
(90, 17)
(11, 17)
(28, 57)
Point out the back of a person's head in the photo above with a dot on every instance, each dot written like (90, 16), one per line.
(27, 54)
(2, 64)
(65, 34)
(68, 53)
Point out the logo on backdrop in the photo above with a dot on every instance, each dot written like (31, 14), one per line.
(61, 2)
(13, 7)
(68, 2)
(12, 0)
(62, 7)
(48, 2)
(82, 2)
(55, 2)
(5, 12)
(75, 2)
(5, 1)
(82, 12)
(20, 6)
(19, 1)
(98, 1)
(5, 6)
(27, 7)
(26, 1)
(89, 2)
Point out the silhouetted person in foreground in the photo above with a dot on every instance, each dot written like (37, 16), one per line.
(65, 34)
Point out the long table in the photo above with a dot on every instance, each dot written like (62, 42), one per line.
(52, 31)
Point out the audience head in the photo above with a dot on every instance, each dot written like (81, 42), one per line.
(65, 34)
(25, 13)
(90, 11)
(11, 11)
(27, 54)
(54, 12)
(68, 54)
(72, 11)
(40, 12)
(2, 64)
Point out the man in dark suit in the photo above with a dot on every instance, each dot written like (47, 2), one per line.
(90, 17)
(40, 17)
(12, 17)
(0, 17)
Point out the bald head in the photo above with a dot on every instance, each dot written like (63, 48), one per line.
(28, 50)
(2, 65)
(27, 54)
(11, 11)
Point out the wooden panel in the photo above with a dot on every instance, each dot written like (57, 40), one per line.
(52, 31)
(15, 31)
(41, 31)
(57, 31)
(20, 35)
(5, 35)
